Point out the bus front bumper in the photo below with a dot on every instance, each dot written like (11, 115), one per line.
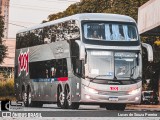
(93, 97)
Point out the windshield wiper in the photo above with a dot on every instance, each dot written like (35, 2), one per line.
(131, 75)
(97, 76)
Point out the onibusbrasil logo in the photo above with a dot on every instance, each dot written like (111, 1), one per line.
(23, 62)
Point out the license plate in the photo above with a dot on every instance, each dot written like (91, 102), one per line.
(113, 98)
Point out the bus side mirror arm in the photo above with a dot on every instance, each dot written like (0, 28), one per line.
(81, 50)
(86, 70)
(149, 51)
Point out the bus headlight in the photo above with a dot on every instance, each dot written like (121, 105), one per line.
(91, 90)
(134, 91)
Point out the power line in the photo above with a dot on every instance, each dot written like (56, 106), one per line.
(55, 1)
(33, 8)
(17, 25)
(60, 0)
(13, 21)
(25, 5)
(39, 7)
(43, 1)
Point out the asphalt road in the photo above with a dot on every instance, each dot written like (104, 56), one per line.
(53, 107)
(51, 110)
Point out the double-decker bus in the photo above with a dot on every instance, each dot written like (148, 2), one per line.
(90, 58)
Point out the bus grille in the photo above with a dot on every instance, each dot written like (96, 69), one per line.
(119, 93)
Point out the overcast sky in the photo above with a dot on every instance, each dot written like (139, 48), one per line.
(31, 12)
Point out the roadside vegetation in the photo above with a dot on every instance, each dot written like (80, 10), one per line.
(7, 89)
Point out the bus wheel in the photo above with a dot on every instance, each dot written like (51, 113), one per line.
(69, 103)
(29, 98)
(24, 98)
(58, 93)
(61, 99)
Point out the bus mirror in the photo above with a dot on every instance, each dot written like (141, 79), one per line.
(149, 51)
(81, 50)
(86, 70)
(82, 53)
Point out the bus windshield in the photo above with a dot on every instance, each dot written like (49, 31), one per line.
(100, 63)
(107, 64)
(110, 31)
(126, 65)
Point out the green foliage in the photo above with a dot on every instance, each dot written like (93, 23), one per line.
(3, 48)
(7, 88)
(126, 7)
(152, 70)
(1, 28)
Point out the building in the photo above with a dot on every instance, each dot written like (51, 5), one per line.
(7, 67)
(4, 11)
(149, 18)
(149, 21)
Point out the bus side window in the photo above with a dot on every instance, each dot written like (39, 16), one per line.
(65, 71)
(53, 68)
(78, 67)
(59, 68)
(76, 63)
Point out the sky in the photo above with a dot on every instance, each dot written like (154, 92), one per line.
(27, 13)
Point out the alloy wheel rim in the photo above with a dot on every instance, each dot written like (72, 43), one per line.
(69, 98)
(29, 98)
(61, 98)
(24, 98)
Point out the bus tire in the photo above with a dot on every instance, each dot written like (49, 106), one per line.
(60, 98)
(68, 102)
(58, 101)
(24, 97)
(31, 103)
(29, 100)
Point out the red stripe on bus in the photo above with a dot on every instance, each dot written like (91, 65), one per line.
(62, 79)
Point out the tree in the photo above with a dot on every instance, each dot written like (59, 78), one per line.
(126, 7)
(3, 48)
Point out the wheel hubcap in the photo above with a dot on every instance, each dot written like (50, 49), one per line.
(61, 98)
(29, 98)
(24, 97)
(69, 98)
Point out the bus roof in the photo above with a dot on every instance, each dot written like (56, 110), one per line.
(85, 16)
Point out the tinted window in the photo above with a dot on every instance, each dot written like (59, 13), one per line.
(76, 63)
(110, 32)
(58, 32)
(48, 69)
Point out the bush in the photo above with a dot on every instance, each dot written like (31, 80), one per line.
(7, 88)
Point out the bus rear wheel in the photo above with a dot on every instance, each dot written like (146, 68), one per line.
(69, 103)
(24, 98)
(29, 99)
(60, 98)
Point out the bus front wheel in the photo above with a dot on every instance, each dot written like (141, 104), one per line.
(31, 103)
